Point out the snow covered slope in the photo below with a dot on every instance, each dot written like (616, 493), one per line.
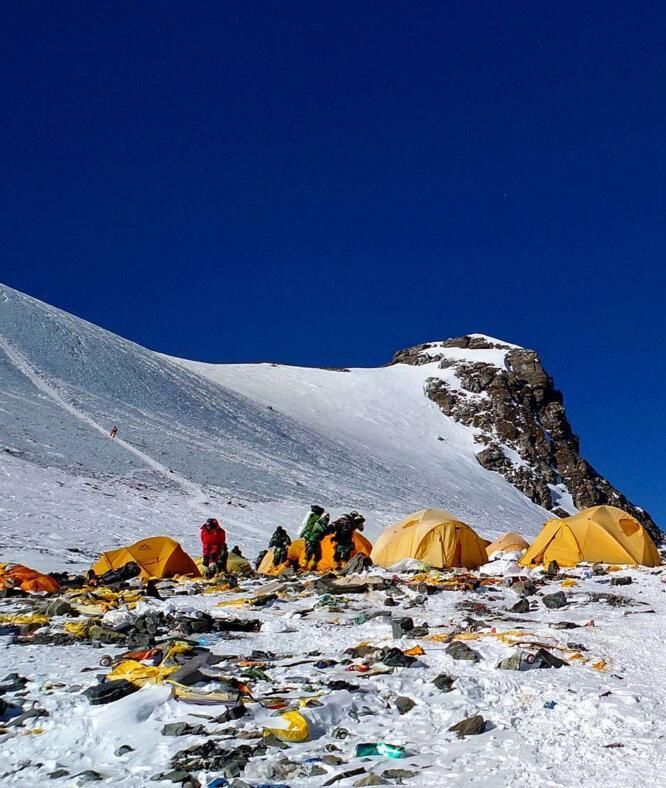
(250, 444)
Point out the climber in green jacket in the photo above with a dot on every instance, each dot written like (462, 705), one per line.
(315, 527)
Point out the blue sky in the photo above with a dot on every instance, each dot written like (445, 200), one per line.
(326, 182)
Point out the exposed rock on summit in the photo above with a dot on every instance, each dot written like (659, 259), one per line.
(522, 428)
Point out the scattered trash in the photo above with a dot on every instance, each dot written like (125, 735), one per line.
(379, 748)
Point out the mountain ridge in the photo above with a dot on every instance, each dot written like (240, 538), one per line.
(261, 440)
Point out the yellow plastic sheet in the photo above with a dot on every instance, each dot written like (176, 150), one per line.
(140, 674)
(295, 728)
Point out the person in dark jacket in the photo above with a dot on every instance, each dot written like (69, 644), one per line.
(280, 542)
(214, 547)
(343, 535)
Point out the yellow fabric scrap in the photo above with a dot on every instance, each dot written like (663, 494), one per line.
(22, 619)
(78, 629)
(137, 673)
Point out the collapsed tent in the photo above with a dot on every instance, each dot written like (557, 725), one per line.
(327, 563)
(602, 534)
(434, 537)
(26, 579)
(236, 564)
(157, 556)
(509, 543)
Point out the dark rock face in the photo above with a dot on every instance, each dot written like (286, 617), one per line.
(523, 430)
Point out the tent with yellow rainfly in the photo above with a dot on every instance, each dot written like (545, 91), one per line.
(602, 534)
(509, 543)
(158, 556)
(434, 537)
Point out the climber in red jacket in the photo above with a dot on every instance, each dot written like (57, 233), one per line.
(214, 544)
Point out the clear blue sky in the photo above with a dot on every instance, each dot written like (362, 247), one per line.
(324, 182)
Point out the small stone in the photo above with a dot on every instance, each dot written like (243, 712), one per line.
(314, 770)
(460, 651)
(89, 776)
(398, 774)
(58, 773)
(555, 601)
(331, 760)
(404, 704)
(524, 588)
(472, 726)
(621, 581)
(444, 682)
(123, 750)
(369, 779)
(271, 740)
(564, 625)
(522, 606)
(174, 776)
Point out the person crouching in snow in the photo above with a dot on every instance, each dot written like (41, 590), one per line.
(114, 431)
(343, 536)
(280, 542)
(214, 544)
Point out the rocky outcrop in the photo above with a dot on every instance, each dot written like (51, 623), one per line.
(520, 422)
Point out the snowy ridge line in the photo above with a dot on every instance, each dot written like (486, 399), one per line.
(24, 366)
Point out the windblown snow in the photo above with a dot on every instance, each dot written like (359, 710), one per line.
(251, 444)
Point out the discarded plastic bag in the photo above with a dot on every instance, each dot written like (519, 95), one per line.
(296, 728)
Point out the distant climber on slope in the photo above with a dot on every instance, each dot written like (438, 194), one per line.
(280, 542)
(214, 544)
(343, 535)
(114, 431)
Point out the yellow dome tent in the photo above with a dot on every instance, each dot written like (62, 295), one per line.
(602, 534)
(158, 556)
(509, 543)
(296, 555)
(433, 536)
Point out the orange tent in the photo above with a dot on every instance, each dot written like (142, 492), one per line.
(296, 555)
(28, 580)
